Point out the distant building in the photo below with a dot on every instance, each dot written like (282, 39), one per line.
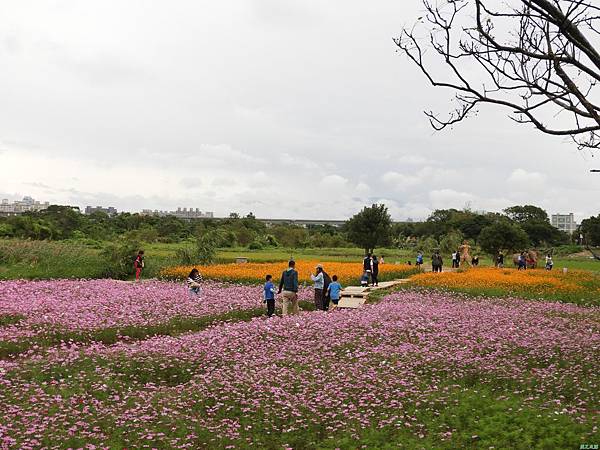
(28, 204)
(182, 213)
(111, 211)
(564, 222)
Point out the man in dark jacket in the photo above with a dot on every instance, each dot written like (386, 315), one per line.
(289, 285)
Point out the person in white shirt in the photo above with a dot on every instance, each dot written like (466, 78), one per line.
(319, 283)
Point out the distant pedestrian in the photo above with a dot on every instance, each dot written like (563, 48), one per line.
(549, 262)
(193, 283)
(138, 265)
(436, 262)
(419, 259)
(374, 271)
(334, 290)
(289, 285)
(381, 260)
(319, 282)
(500, 260)
(475, 261)
(455, 260)
(522, 262)
(269, 295)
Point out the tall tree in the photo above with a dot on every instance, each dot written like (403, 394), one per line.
(590, 228)
(526, 213)
(538, 58)
(370, 228)
(502, 235)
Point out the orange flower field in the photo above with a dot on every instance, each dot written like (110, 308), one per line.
(347, 272)
(510, 280)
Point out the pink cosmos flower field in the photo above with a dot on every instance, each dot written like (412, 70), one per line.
(86, 305)
(423, 370)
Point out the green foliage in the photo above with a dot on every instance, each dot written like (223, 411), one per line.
(271, 241)
(120, 258)
(590, 228)
(370, 228)
(503, 235)
(451, 241)
(43, 259)
(206, 248)
(427, 245)
(542, 232)
(255, 245)
(526, 213)
(186, 255)
(291, 236)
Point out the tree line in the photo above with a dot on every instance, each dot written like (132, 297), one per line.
(517, 227)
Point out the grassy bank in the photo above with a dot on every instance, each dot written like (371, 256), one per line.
(74, 259)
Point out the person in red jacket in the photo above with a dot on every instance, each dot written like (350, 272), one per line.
(138, 264)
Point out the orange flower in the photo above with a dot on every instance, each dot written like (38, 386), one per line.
(347, 272)
(506, 279)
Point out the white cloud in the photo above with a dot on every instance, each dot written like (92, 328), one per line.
(449, 198)
(168, 98)
(526, 180)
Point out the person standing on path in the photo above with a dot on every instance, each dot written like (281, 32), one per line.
(419, 260)
(374, 271)
(319, 283)
(289, 285)
(138, 265)
(436, 262)
(269, 295)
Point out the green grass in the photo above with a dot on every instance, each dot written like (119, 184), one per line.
(65, 259)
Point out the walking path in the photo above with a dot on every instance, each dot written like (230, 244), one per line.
(356, 296)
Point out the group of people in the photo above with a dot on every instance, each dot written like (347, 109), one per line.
(327, 290)
(371, 270)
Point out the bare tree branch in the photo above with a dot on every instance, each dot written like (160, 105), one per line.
(538, 58)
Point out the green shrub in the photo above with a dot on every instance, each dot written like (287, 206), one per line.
(255, 245)
(120, 258)
(186, 255)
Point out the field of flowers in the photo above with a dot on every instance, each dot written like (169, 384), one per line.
(428, 370)
(43, 313)
(576, 286)
(348, 272)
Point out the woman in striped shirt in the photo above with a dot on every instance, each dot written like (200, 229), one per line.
(193, 282)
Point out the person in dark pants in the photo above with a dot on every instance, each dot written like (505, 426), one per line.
(367, 263)
(374, 271)
(436, 262)
(326, 296)
(269, 295)
(319, 282)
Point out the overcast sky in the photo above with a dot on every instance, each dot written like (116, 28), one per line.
(286, 108)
